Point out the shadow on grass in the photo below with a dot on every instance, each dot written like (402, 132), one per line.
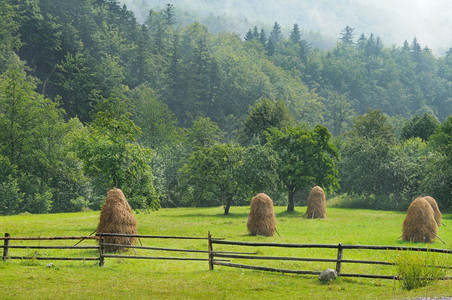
(221, 215)
(290, 214)
(435, 244)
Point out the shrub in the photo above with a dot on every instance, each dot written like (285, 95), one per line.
(419, 269)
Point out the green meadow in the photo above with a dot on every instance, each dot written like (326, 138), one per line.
(167, 279)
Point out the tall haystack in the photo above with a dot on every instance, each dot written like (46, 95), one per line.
(419, 224)
(316, 204)
(436, 211)
(116, 217)
(261, 220)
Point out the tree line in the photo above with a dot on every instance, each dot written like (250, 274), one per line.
(177, 116)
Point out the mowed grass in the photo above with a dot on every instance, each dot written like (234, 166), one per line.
(165, 279)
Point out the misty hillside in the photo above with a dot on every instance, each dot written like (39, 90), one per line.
(393, 22)
(93, 97)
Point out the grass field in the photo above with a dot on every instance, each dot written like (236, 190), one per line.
(155, 279)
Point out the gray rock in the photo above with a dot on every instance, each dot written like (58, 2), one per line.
(327, 275)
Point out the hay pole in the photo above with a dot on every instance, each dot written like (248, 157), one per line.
(438, 237)
(83, 238)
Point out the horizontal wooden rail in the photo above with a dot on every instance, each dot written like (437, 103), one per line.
(328, 246)
(220, 258)
(152, 236)
(218, 254)
(52, 258)
(39, 238)
(339, 260)
(241, 266)
(53, 247)
(157, 257)
(170, 249)
(262, 244)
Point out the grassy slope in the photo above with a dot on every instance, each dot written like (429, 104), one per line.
(138, 279)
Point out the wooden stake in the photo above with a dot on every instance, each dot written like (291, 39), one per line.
(6, 247)
(210, 248)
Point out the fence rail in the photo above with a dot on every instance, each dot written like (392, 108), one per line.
(338, 260)
(224, 258)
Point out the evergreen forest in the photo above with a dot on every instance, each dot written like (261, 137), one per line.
(177, 114)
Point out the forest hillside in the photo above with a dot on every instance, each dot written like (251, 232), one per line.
(177, 114)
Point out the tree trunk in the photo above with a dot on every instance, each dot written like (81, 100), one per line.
(291, 204)
(227, 204)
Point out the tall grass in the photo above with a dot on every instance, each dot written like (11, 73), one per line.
(419, 269)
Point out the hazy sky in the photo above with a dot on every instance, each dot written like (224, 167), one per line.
(430, 21)
(395, 21)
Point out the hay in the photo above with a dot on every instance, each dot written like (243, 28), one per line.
(261, 219)
(419, 224)
(316, 204)
(116, 217)
(436, 211)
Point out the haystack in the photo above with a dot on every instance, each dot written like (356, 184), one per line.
(261, 220)
(436, 211)
(116, 217)
(419, 224)
(316, 204)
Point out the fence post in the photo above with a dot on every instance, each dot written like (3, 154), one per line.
(6, 247)
(339, 258)
(101, 251)
(210, 252)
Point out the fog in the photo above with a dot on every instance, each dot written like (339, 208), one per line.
(395, 21)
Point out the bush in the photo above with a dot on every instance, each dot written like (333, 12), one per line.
(419, 269)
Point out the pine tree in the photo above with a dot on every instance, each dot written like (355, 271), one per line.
(347, 35)
(295, 35)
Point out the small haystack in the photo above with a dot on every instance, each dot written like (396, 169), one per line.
(419, 224)
(316, 204)
(261, 220)
(436, 211)
(116, 217)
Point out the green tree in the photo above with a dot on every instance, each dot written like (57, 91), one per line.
(10, 195)
(204, 133)
(365, 169)
(9, 39)
(274, 38)
(33, 140)
(112, 157)
(373, 125)
(422, 127)
(438, 179)
(339, 113)
(263, 116)
(157, 122)
(227, 174)
(347, 35)
(213, 175)
(307, 159)
(76, 80)
(295, 35)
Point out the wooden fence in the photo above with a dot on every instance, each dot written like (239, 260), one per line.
(230, 258)
(338, 261)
